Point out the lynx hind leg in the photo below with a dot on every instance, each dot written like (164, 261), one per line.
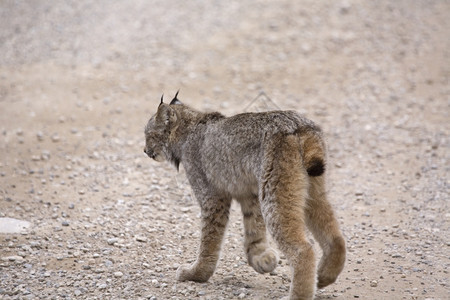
(259, 255)
(215, 214)
(325, 228)
(284, 188)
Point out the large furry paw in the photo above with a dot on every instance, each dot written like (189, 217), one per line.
(264, 262)
(331, 264)
(324, 280)
(191, 273)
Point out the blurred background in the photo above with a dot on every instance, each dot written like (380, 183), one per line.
(79, 80)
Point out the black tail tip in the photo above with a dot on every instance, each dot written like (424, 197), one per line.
(316, 167)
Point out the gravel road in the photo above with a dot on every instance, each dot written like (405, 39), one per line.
(79, 80)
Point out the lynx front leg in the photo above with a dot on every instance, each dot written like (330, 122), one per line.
(259, 255)
(325, 228)
(214, 220)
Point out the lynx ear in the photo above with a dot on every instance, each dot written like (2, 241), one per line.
(166, 115)
(161, 99)
(175, 99)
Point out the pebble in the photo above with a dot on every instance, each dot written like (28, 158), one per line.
(11, 225)
(112, 241)
(102, 286)
(374, 283)
(55, 138)
(141, 239)
(118, 274)
(40, 136)
(155, 282)
(185, 209)
(13, 258)
(108, 263)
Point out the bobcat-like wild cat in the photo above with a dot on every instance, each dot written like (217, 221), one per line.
(273, 164)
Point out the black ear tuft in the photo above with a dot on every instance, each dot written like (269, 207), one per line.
(175, 99)
(161, 99)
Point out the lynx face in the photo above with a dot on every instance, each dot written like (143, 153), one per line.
(157, 133)
(155, 137)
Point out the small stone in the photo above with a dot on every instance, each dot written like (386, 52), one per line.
(108, 263)
(65, 223)
(55, 138)
(141, 239)
(118, 274)
(35, 244)
(71, 206)
(77, 292)
(40, 136)
(374, 283)
(102, 286)
(10, 225)
(155, 282)
(345, 8)
(112, 241)
(45, 155)
(13, 258)
(185, 209)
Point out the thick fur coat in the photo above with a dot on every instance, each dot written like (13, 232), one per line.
(273, 164)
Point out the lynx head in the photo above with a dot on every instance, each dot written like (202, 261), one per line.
(158, 129)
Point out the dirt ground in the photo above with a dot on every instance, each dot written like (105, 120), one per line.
(79, 80)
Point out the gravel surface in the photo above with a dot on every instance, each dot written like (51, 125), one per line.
(79, 80)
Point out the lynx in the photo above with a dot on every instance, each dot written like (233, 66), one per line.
(273, 164)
